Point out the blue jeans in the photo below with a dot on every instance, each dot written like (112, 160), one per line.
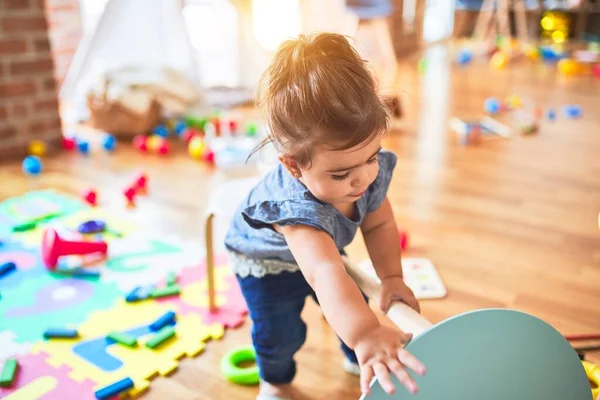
(278, 332)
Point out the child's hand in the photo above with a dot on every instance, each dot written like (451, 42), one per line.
(393, 288)
(380, 352)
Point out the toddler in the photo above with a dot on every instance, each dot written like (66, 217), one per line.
(287, 239)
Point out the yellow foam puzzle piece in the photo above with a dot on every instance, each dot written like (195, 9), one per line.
(139, 363)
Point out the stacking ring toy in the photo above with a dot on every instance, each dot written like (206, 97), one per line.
(593, 373)
(92, 226)
(231, 370)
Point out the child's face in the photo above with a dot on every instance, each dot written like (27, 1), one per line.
(342, 176)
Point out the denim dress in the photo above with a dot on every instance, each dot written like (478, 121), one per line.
(271, 282)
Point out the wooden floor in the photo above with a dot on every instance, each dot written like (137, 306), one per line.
(510, 223)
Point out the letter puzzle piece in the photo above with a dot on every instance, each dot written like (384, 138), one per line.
(231, 306)
(35, 379)
(104, 361)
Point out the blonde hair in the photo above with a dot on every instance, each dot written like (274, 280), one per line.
(318, 91)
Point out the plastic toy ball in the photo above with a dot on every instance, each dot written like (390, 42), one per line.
(37, 148)
(154, 142)
(403, 236)
(209, 157)
(109, 142)
(32, 165)
(492, 105)
(195, 147)
(514, 102)
(83, 146)
(464, 56)
(499, 60)
(422, 66)
(572, 111)
(596, 70)
(551, 114)
(180, 128)
(233, 126)
(140, 143)
(251, 130)
(568, 66)
(164, 148)
(68, 143)
(161, 131)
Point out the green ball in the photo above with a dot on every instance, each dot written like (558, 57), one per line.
(422, 66)
(251, 129)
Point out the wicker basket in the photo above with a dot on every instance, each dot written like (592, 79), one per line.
(112, 116)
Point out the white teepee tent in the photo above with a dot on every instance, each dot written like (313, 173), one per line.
(148, 35)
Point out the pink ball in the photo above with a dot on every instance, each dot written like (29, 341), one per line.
(68, 143)
(90, 196)
(163, 149)
(140, 143)
(209, 156)
(596, 70)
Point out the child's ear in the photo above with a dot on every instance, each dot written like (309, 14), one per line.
(290, 164)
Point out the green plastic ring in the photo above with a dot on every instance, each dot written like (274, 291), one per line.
(234, 373)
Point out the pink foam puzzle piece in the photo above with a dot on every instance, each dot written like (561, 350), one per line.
(231, 306)
(36, 379)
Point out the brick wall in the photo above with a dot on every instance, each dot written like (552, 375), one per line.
(65, 32)
(28, 90)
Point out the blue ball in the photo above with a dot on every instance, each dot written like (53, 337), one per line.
(32, 165)
(551, 114)
(464, 56)
(180, 128)
(83, 146)
(572, 111)
(161, 131)
(109, 142)
(492, 105)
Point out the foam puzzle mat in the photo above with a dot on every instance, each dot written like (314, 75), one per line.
(34, 299)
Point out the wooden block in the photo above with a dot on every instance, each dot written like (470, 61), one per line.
(162, 336)
(123, 339)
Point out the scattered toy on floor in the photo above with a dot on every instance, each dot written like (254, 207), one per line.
(6, 268)
(9, 372)
(109, 142)
(161, 337)
(37, 148)
(61, 333)
(162, 321)
(32, 165)
(114, 389)
(572, 111)
(90, 196)
(234, 373)
(122, 338)
(53, 247)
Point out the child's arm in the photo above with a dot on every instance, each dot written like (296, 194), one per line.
(347, 312)
(381, 238)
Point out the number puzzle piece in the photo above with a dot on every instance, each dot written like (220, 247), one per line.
(36, 379)
(231, 306)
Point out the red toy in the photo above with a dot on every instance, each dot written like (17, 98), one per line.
(90, 196)
(68, 143)
(141, 182)
(54, 247)
(233, 126)
(163, 149)
(130, 194)
(209, 156)
(403, 239)
(189, 134)
(140, 142)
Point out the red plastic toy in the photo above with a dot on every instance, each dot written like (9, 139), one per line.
(90, 196)
(163, 149)
(54, 247)
(233, 126)
(130, 194)
(209, 156)
(68, 143)
(141, 182)
(140, 142)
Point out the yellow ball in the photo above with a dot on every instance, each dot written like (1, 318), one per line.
(532, 52)
(568, 66)
(154, 143)
(195, 147)
(514, 101)
(37, 148)
(499, 60)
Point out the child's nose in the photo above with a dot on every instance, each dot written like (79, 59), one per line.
(360, 179)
